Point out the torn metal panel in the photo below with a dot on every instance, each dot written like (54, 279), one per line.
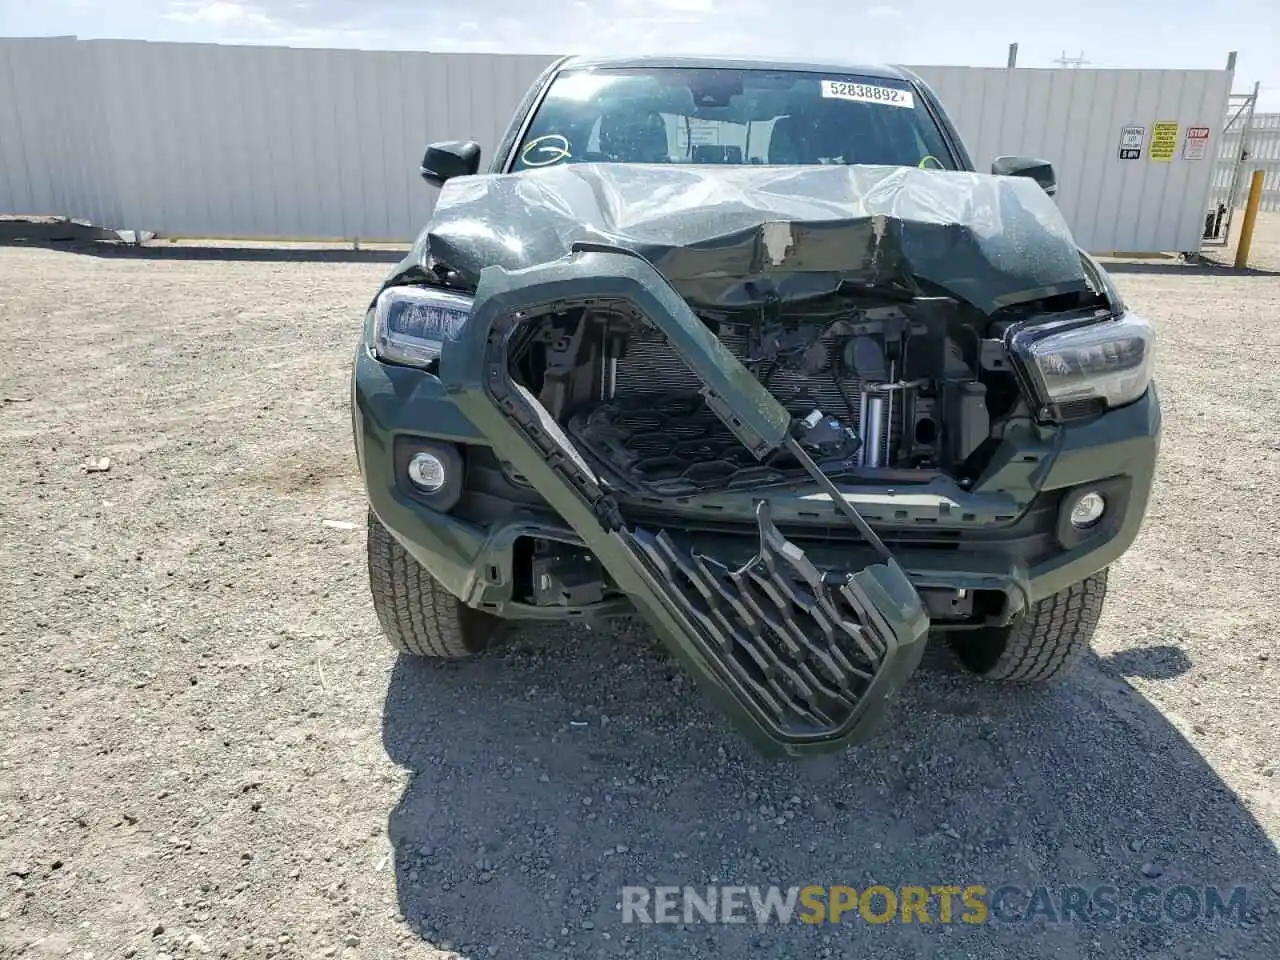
(731, 236)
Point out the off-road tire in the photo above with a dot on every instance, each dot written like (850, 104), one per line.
(419, 616)
(1045, 644)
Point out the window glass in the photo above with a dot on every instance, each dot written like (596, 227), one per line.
(716, 116)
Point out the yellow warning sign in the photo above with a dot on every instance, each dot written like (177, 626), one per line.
(1164, 140)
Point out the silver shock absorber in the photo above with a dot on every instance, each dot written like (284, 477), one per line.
(878, 403)
(608, 364)
(874, 427)
(866, 358)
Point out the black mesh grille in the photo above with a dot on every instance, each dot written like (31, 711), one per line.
(673, 446)
(806, 650)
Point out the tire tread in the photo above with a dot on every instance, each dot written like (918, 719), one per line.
(418, 615)
(1049, 640)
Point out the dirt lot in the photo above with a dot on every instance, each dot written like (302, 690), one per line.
(207, 749)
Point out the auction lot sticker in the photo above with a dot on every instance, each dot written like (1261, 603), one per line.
(868, 93)
(1196, 143)
(1131, 137)
(1164, 140)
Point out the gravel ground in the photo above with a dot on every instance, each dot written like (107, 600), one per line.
(206, 747)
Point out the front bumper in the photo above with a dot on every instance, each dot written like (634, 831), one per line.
(733, 623)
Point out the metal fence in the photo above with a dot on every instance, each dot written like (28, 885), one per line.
(226, 141)
(1262, 151)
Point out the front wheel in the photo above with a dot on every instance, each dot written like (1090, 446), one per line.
(1045, 644)
(418, 615)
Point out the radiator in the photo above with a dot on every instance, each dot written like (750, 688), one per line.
(651, 368)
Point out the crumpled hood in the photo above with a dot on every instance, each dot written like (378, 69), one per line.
(728, 236)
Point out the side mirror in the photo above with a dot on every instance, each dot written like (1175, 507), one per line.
(448, 159)
(1041, 171)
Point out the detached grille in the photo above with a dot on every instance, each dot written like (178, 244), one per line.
(810, 651)
(652, 368)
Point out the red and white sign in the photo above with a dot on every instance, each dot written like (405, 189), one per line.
(1196, 143)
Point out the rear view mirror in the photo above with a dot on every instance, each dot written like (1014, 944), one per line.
(1041, 171)
(448, 159)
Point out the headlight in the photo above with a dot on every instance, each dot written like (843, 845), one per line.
(411, 324)
(1069, 362)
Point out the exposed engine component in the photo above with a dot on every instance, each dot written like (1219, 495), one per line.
(875, 390)
(827, 437)
(650, 367)
(865, 357)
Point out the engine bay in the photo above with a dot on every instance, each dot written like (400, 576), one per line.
(885, 391)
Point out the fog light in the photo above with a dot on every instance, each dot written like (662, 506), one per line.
(1088, 510)
(427, 472)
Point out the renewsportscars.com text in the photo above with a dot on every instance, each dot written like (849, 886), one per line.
(936, 903)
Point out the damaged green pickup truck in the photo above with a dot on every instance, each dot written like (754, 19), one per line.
(749, 348)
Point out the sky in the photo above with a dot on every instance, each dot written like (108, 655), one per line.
(1162, 34)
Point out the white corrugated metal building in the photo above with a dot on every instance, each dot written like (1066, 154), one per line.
(238, 141)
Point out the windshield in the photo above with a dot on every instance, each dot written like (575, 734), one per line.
(703, 116)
